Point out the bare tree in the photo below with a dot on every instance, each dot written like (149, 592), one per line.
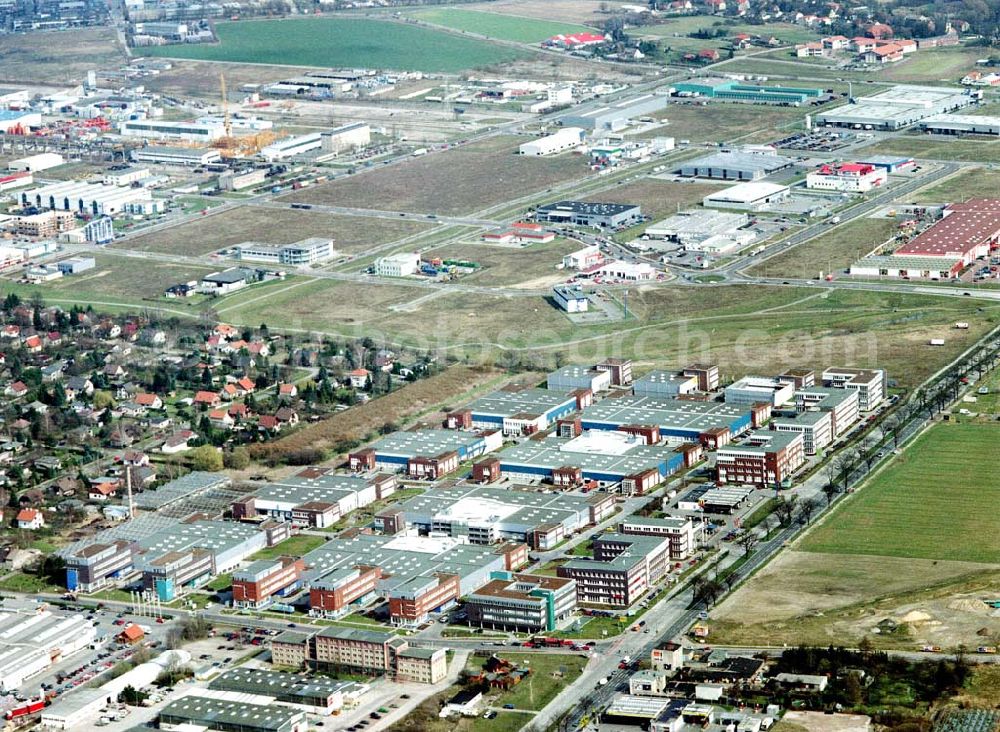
(807, 508)
(830, 490)
(786, 509)
(748, 540)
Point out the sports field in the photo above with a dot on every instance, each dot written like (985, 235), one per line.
(342, 42)
(938, 500)
(495, 25)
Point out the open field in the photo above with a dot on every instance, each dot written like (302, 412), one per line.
(963, 149)
(932, 493)
(460, 180)
(296, 546)
(342, 42)
(363, 420)
(734, 325)
(725, 122)
(351, 234)
(201, 78)
(818, 599)
(658, 198)
(967, 183)
(58, 57)
(587, 12)
(678, 29)
(548, 675)
(831, 252)
(935, 64)
(496, 25)
(533, 266)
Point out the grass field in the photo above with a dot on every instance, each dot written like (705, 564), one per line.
(295, 546)
(964, 149)
(58, 57)
(548, 675)
(460, 180)
(533, 266)
(831, 252)
(658, 198)
(351, 234)
(589, 12)
(678, 29)
(496, 25)
(928, 504)
(725, 122)
(967, 183)
(342, 42)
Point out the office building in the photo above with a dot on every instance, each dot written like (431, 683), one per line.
(403, 264)
(299, 254)
(870, 385)
(412, 601)
(682, 532)
(816, 428)
(847, 177)
(752, 390)
(623, 569)
(256, 585)
(522, 603)
(765, 459)
(586, 213)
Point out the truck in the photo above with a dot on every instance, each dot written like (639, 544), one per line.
(419, 151)
(986, 649)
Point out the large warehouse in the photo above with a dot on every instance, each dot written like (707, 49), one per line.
(616, 116)
(756, 196)
(683, 419)
(730, 90)
(97, 199)
(967, 231)
(961, 124)
(514, 410)
(896, 108)
(588, 213)
(424, 453)
(700, 230)
(31, 642)
(565, 139)
(735, 165)
(168, 130)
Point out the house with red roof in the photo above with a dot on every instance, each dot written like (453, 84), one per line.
(221, 420)
(864, 45)
(103, 490)
(268, 423)
(238, 411)
(32, 344)
(207, 399)
(131, 635)
(288, 390)
(708, 54)
(17, 389)
(880, 31)
(150, 401)
(30, 518)
(358, 378)
(574, 41)
(884, 53)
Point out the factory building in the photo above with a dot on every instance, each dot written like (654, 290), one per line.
(98, 565)
(615, 116)
(520, 232)
(429, 454)
(968, 231)
(256, 585)
(816, 428)
(765, 459)
(756, 196)
(15, 180)
(891, 163)
(735, 165)
(522, 603)
(166, 131)
(570, 299)
(13, 121)
(572, 377)
(36, 163)
(514, 410)
(621, 461)
(709, 231)
(403, 264)
(906, 267)
(168, 155)
(201, 711)
(346, 138)
(961, 124)
(299, 254)
(730, 90)
(319, 694)
(30, 643)
(585, 213)
(847, 177)
(682, 531)
(896, 108)
(486, 515)
(95, 199)
(752, 390)
(289, 147)
(564, 139)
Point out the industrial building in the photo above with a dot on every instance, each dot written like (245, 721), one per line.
(679, 420)
(752, 390)
(13, 120)
(616, 116)
(961, 124)
(318, 694)
(520, 232)
(895, 108)
(682, 531)
(484, 514)
(764, 459)
(586, 213)
(299, 254)
(95, 199)
(170, 155)
(891, 163)
(36, 163)
(201, 711)
(847, 177)
(617, 460)
(402, 264)
(232, 180)
(966, 231)
(572, 377)
(314, 497)
(346, 138)
(584, 259)
(32, 642)
(514, 410)
(166, 131)
(428, 454)
(525, 603)
(698, 230)
(76, 265)
(735, 165)
(730, 90)
(291, 146)
(570, 299)
(756, 196)
(624, 568)
(907, 267)
(564, 139)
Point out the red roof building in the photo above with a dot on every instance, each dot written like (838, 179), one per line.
(968, 230)
(208, 398)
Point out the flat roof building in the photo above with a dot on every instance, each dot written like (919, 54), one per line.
(703, 230)
(424, 453)
(752, 390)
(166, 130)
(575, 376)
(169, 155)
(765, 459)
(961, 124)
(895, 108)
(587, 213)
(735, 165)
(755, 196)
(615, 116)
(301, 253)
(682, 419)
(522, 603)
(230, 716)
(515, 410)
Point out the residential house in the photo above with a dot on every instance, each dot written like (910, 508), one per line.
(17, 389)
(220, 419)
(359, 378)
(207, 399)
(149, 401)
(178, 442)
(288, 390)
(30, 518)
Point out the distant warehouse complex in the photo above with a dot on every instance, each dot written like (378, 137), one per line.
(896, 108)
(961, 124)
(615, 116)
(729, 90)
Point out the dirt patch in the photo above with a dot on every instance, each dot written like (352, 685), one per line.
(587, 12)
(820, 722)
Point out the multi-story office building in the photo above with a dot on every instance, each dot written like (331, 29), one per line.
(256, 584)
(868, 383)
(682, 531)
(98, 565)
(765, 459)
(332, 595)
(624, 567)
(412, 601)
(522, 602)
(816, 428)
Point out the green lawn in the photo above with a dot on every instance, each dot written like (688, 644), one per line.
(220, 583)
(493, 25)
(549, 673)
(967, 183)
(964, 149)
(936, 501)
(295, 546)
(28, 583)
(342, 42)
